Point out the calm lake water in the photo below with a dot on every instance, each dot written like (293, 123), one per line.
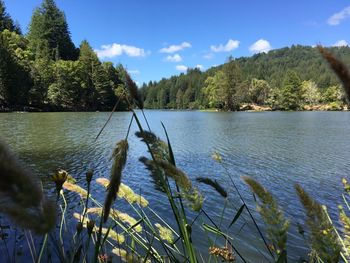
(277, 148)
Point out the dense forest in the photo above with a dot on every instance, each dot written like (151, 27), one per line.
(43, 70)
(292, 78)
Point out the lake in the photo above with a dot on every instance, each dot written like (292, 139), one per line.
(277, 148)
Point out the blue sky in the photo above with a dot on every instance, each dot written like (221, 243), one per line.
(160, 38)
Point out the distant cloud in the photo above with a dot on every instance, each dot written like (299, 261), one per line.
(230, 45)
(341, 43)
(338, 17)
(134, 72)
(174, 58)
(114, 50)
(208, 56)
(181, 68)
(175, 48)
(260, 46)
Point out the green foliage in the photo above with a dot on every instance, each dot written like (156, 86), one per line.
(310, 93)
(234, 90)
(6, 21)
(215, 90)
(332, 94)
(323, 238)
(49, 25)
(290, 94)
(65, 89)
(276, 225)
(259, 91)
(259, 79)
(14, 79)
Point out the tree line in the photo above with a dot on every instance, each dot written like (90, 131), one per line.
(43, 70)
(284, 79)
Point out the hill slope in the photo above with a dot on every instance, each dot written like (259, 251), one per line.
(189, 90)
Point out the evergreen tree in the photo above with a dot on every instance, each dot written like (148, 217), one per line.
(49, 25)
(104, 87)
(234, 79)
(290, 96)
(6, 21)
(89, 63)
(43, 76)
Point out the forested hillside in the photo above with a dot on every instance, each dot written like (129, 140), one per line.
(43, 70)
(287, 79)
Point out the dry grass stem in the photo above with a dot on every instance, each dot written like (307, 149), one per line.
(213, 183)
(119, 155)
(276, 225)
(158, 147)
(339, 68)
(323, 239)
(134, 91)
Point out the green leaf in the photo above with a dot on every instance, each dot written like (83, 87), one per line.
(239, 212)
(213, 229)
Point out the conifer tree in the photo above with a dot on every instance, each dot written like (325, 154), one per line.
(290, 96)
(89, 62)
(49, 24)
(6, 21)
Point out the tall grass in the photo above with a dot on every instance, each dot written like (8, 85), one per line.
(99, 232)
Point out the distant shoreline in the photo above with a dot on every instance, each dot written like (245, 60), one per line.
(243, 108)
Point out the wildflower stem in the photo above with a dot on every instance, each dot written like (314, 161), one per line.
(144, 116)
(42, 249)
(63, 217)
(109, 118)
(129, 127)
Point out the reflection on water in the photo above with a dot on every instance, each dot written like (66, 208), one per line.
(278, 148)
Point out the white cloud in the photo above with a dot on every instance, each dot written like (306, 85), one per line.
(174, 58)
(338, 17)
(341, 43)
(175, 48)
(230, 45)
(208, 56)
(200, 67)
(134, 72)
(114, 50)
(260, 46)
(181, 68)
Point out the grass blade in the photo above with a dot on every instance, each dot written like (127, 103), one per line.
(238, 214)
